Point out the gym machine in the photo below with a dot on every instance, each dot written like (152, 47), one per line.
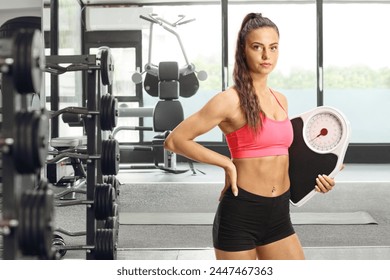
(188, 76)
(167, 82)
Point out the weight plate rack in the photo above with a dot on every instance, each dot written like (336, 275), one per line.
(101, 157)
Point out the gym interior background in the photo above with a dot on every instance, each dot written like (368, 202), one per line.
(333, 53)
(352, 81)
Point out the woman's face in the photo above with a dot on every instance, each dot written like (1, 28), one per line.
(262, 50)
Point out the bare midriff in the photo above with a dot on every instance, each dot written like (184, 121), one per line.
(265, 176)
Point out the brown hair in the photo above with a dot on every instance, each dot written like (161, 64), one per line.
(243, 81)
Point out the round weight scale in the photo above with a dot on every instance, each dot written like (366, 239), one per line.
(321, 138)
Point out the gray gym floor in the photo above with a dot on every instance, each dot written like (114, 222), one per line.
(360, 187)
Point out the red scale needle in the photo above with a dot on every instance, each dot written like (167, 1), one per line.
(323, 132)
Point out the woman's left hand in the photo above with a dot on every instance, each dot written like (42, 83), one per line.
(324, 183)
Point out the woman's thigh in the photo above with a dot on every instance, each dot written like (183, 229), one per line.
(237, 255)
(288, 248)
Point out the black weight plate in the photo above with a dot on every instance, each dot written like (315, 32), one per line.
(107, 66)
(110, 157)
(105, 248)
(111, 245)
(103, 112)
(31, 141)
(100, 249)
(100, 224)
(24, 150)
(112, 222)
(109, 223)
(38, 57)
(29, 225)
(113, 112)
(109, 153)
(103, 201)
(115, 210)
(98, 203)
(19, 57)
(108, 112)
(104, 160)
(40, 134)
(35, 222)
(111, 200)
(27, 237)
(46, 225)
(28, 146)
(36, 228)
(17, 148)
(41, 225)
(24, 221)
(111, 179)
(116, 155)
(28, 58)
(26, 62)
(101, 213)
(28, 231)
(103, 157)
(115, 184)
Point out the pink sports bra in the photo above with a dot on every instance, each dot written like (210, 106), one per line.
(274, 138)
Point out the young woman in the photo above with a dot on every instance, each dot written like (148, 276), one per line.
(253, 216)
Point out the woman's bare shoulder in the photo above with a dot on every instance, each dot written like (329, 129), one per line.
(226, 100)
(281, 97)
(229, 98)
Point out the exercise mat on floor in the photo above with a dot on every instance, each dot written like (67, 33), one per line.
(333, 218)
(298, 218)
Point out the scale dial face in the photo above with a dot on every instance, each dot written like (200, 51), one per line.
(323, 132)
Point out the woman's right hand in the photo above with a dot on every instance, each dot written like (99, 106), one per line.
(230, 180)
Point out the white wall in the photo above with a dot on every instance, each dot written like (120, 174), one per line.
(17, 8)
(117, 18)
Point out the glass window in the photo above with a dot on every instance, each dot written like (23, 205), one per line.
(70, 84)
(356, 67)
(124, 132)
(124, 61)
(201, 40)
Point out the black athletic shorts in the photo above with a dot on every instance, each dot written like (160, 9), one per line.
(249, 220)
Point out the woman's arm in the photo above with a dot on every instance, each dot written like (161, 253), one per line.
(181, 139)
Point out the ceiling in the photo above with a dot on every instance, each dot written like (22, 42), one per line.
(136, 2)
(149, 2)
